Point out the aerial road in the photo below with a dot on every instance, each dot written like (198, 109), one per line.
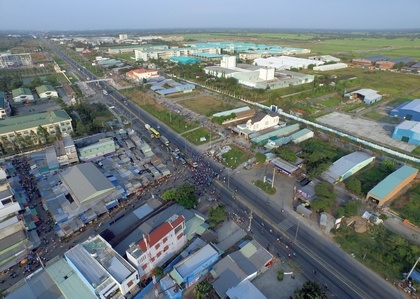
(345, 276)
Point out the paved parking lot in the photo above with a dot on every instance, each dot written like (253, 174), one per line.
(366, 129)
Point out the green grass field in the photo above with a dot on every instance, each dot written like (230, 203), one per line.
(235, 157)
(330, 102)
(194, 136)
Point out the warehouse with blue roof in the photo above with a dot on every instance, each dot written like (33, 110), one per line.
(408, 110)
(392, 184)
(408, 131)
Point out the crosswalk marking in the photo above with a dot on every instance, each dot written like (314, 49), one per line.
(285, 224)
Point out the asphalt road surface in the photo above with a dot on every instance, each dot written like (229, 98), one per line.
(346, 277)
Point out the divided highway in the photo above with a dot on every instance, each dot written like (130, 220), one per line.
(345, 276)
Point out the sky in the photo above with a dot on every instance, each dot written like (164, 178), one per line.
(49, 15)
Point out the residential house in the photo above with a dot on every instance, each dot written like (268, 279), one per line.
(21, 95)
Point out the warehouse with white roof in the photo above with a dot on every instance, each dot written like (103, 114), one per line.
(346, 166)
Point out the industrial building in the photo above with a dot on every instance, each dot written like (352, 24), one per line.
(347, 166)
(287, 62)
(295, 138)
(325, 58)
(46, 92)
(72, 206)
(392, 184)
(103, 147)
(274, 133)
(367, 96)
(261, 77)
(248, 51)
(408, 131)
(104, 271)
(22, 95)
(408, 110)
(330, 67)
(134, 48)
(166, 54)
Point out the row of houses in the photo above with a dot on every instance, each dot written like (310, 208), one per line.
(44, 92)
(384, 63)
(97, 269)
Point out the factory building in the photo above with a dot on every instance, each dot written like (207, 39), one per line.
(407, 110)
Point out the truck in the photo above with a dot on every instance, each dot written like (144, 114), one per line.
(147, 126)
(192, 163)
(105, 92)
(164, 140)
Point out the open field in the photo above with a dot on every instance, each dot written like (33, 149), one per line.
(375, 115)
(205, 105)
(124, 56)
(173, 120)
(194, 136)
(235, 157)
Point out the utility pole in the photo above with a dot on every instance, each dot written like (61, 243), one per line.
(272, 181)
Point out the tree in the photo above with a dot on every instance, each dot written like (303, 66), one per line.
(260, 157)
(354, 185)
(350, 208)
(169, 194)
(185, 196)
(158, 272)
(286, 153)
(58, 132)
(310, 290)
(217, 215)
(325, 197)
(202, 290)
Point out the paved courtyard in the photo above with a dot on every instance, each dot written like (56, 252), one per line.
(367, 129)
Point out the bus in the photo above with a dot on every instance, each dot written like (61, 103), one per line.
(154, 133)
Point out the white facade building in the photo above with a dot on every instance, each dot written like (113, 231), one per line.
(262, 121)
(102, 269)
(330, 67)
(158, 246)
(286, 62)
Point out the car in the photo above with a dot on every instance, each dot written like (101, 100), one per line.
(305, 182)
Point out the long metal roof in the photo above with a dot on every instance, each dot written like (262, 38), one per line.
(381, 190)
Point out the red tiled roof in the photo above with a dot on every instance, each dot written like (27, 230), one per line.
(160, 232)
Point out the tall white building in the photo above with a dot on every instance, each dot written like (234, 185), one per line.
(158, 246)
(103, 270)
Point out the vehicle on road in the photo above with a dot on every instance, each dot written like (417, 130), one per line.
(164, 140)
(105, 92)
